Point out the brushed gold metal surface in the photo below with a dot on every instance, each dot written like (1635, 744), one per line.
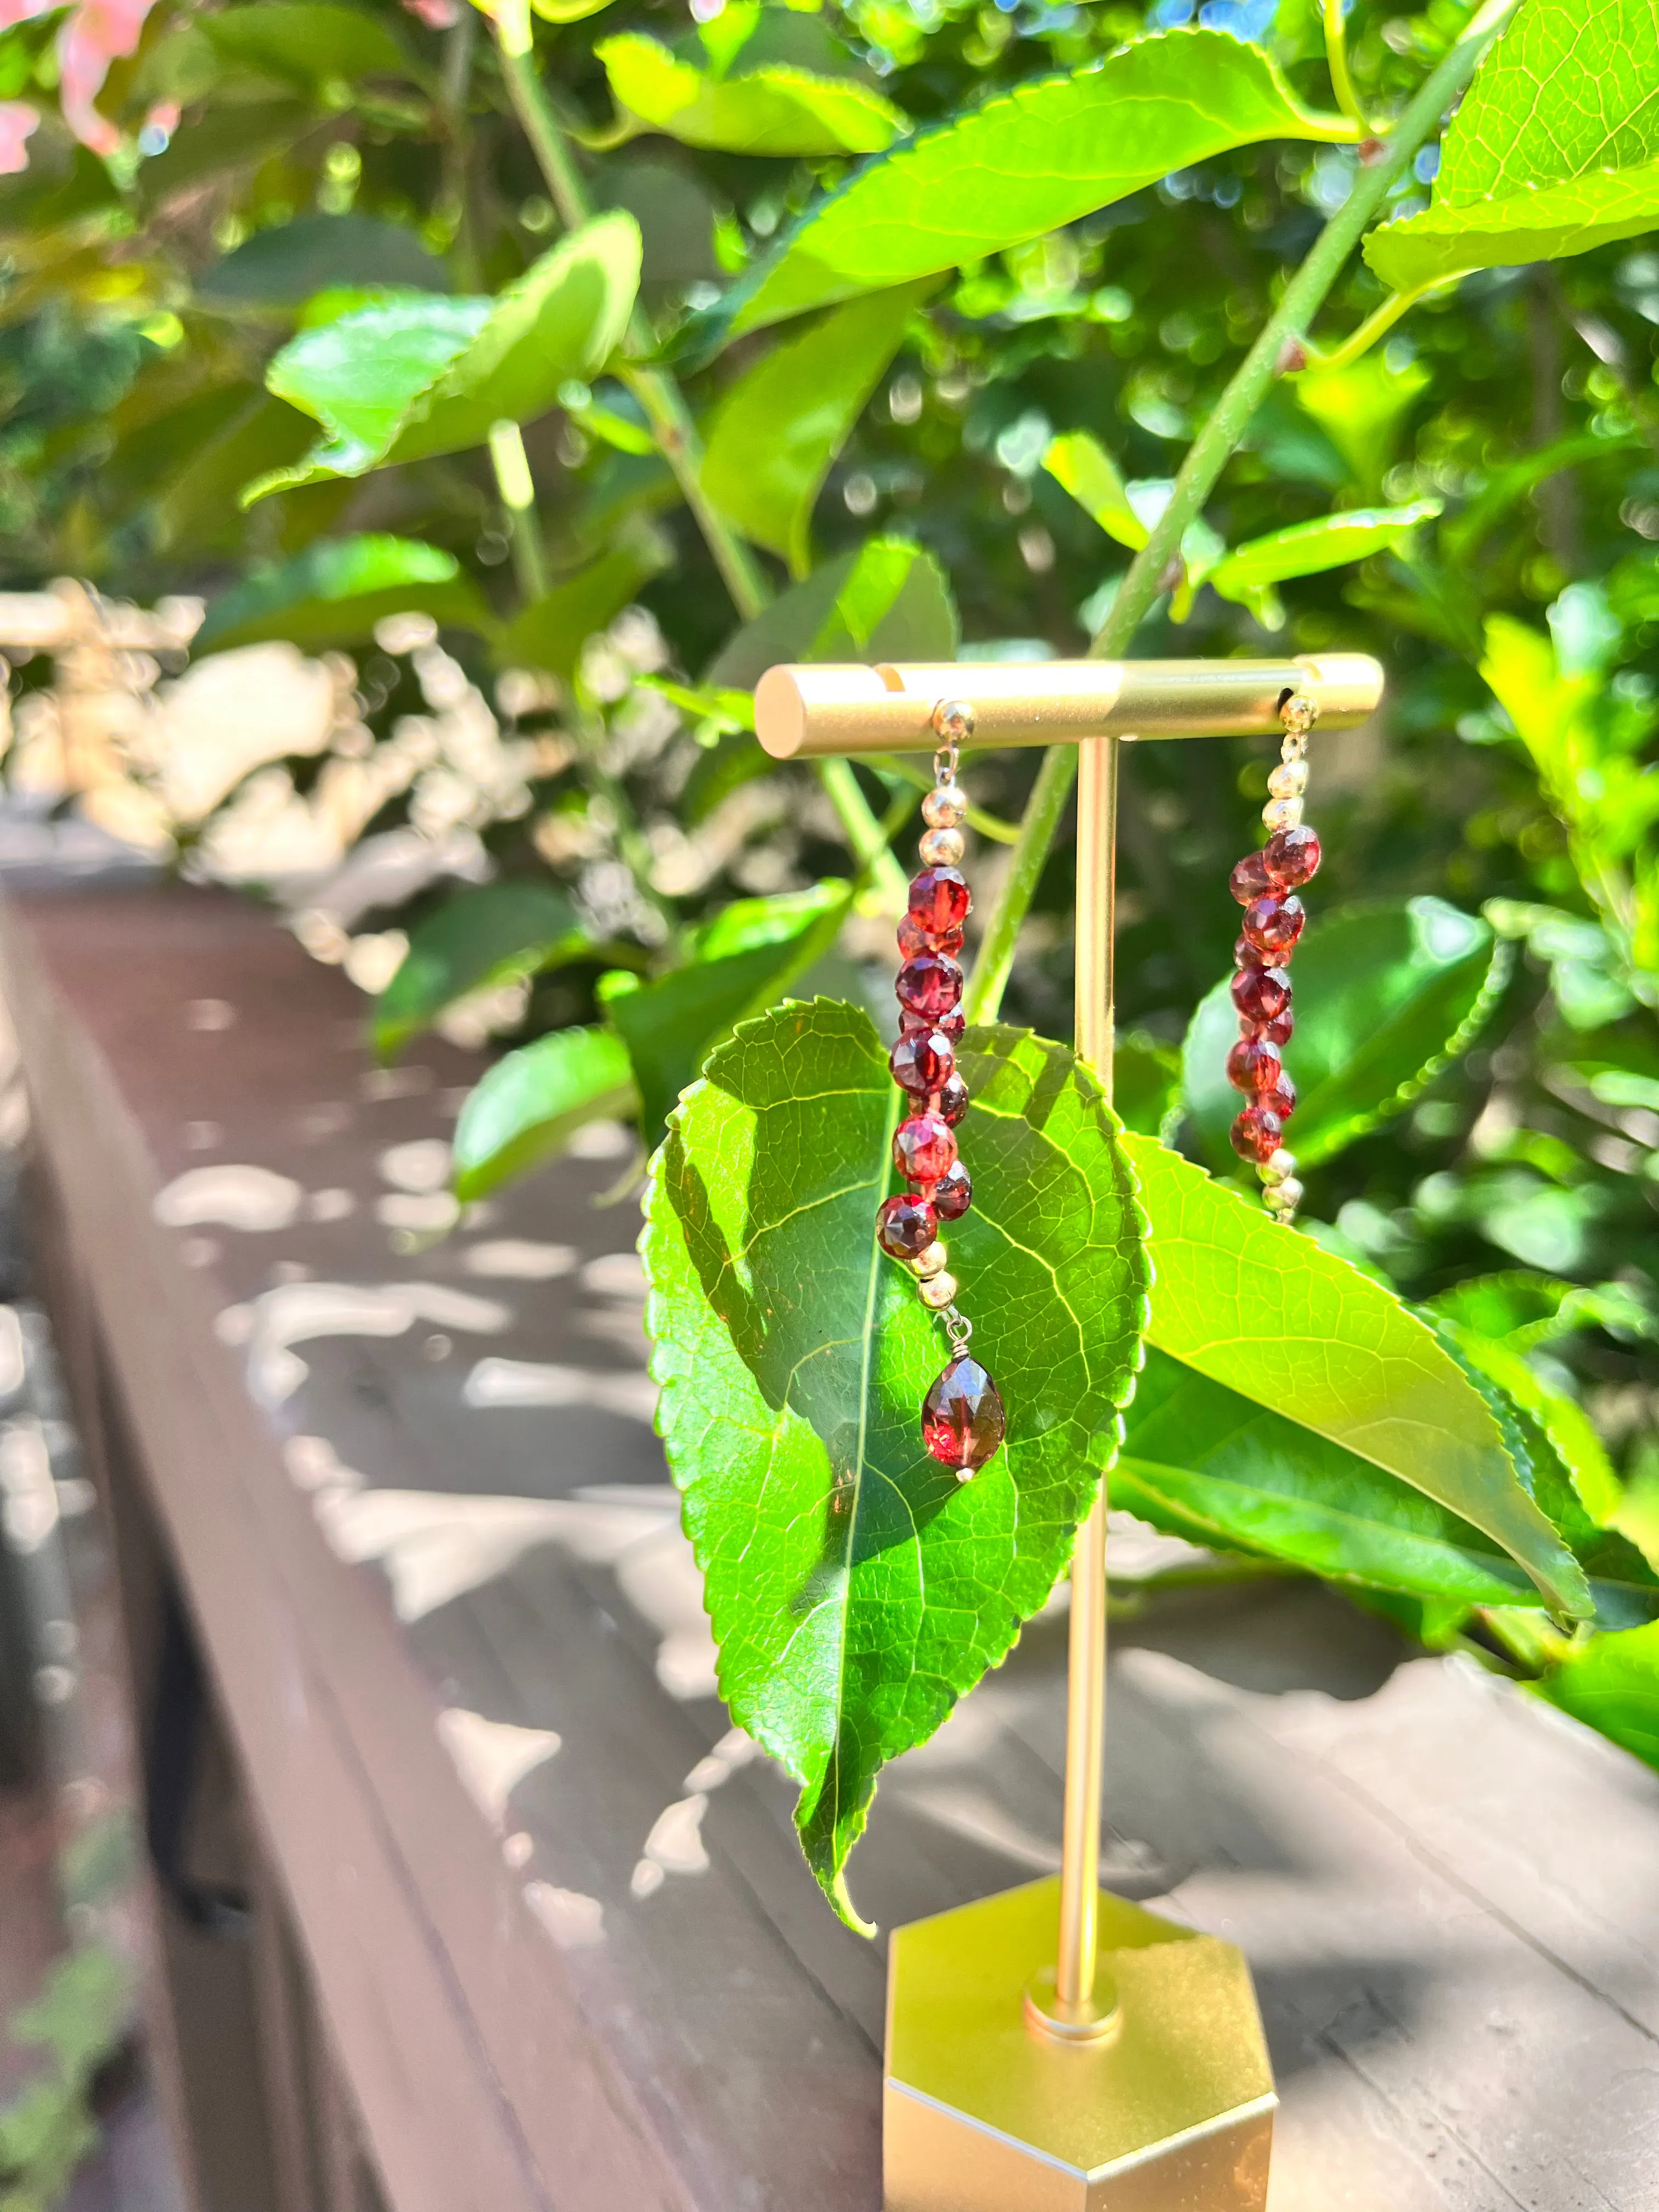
(1171, 2112)
(836, 709)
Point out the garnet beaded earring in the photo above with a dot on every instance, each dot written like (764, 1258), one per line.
(1265, 883)
(963, 1419)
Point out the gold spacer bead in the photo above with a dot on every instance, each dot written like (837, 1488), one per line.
(1282, 814)
(931, 1262)
(953, 721)
(1283, 1198)
(1289, 780)
(938, 1292)
(942, 849)
(946, 807)
(1280, 1168)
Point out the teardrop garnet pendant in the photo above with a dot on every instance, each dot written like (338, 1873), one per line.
(963, 1419)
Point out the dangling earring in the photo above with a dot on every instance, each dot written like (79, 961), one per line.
(962, 1420)
(1265, 883)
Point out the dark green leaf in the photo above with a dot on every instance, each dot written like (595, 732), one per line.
(1611, 1683)
(552, 630)
(305, 41)
(1202, 1462)
(770, 110)
(1386, 996)
(1145, 1082)
(1025, 163)
(856, 1589)
(1255, 1305)
(740, 963)
(530, 1104)
(283, 267)
(775, 434)
(479, 939)
(335, 593)
(887, 601)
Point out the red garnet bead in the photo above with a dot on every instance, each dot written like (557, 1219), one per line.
(1291, 857)
(1250, 879)
(929, 986)
(962, 1420)
(1273, 924)
(1253, 1066)
(953, 1194)
(922, 1061)
(952, 1101)
(1281, 1100)
(923, 1147)
(1260, 994)
(906, 1226)
(939, 900)
(1246, 955)
(1256, 1134)
(913, 939)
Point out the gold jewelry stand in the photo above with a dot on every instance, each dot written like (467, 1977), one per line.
(1055, 2048)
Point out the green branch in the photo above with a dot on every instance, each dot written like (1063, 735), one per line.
(1159, 559)
(1336, 57)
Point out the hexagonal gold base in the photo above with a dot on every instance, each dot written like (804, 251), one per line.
(1170, 2112)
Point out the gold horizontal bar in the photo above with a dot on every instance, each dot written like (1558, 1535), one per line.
(810, 712)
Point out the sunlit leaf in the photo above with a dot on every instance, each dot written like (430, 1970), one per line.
(1254, 1306)
(1387, 995)
(529, 1105)
(1612, 1684)
(773, 110)
(1082, 465)
(1555, 148)
(737, 965)
(775, 434)
(855, 1589)
(480, 938)
(334, 593)
(1026, 162)
(889, 601)
(1249, 572)
(1362, 409)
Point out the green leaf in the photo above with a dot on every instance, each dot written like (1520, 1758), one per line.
(738, 964)
(1566, 1427)
(480, 939)
(1201, 1461)
(1611, 1683)
(1082, 465)
(1145, 1082)
(889, 601)
(774, 110)
(1250, 572)
(856, 1589)
(1387, 995)
(305, 42)
(82, 2013)
(333, 593)
(530, 1102)
(774, 434)
(1025, 163)
(1555, 148)
(552, 630)
(282, 268)
(1255, 1306)
(408, 379)
(1362, 410)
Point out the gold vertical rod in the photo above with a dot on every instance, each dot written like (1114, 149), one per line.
(1085, 1720)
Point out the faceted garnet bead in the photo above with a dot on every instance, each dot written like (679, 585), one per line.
(1246, 955)
(913, 939)
(953, 1194)
(950, 1025)
(939, 900)
(1256, 1134)
(1273, 1033)
(953, 1101)
(1250, 879)
(963, 1421)
(929, 986)
(1281, 1100)
(1260, 994)
(923, 1148)
(906, 1226)
(922, 1061)
(1291, 857)
(1273, 924)
(1253, 1066)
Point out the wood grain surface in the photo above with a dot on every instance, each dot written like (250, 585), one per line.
(567, 1950)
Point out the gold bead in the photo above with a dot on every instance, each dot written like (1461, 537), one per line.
(942, 849)
(1283, 1198)
(1280, 1168)
(938, 1292)
(953, 721)
(1283, 814)
(931, 1262)
(945, 806)
(1289, 780)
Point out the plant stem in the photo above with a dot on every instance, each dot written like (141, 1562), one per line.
(676, 434)
(1336, 57)
(866, 834)
(1376, 325)
(518, 489)
(1211, 451)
